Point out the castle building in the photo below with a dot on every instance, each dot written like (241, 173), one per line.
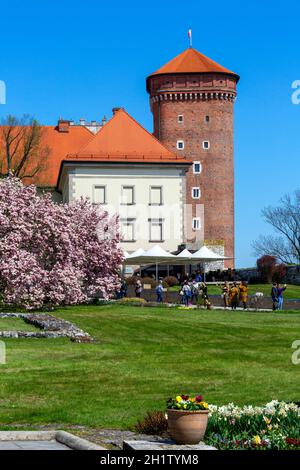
(173, 187)
(192, 100)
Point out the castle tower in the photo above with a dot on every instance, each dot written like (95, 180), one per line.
(192, 98)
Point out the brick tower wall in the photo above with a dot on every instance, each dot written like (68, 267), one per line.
(195, 97)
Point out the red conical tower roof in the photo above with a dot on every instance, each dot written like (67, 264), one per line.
(192, 61)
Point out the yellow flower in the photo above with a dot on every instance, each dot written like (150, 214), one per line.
(204, 404)
(270, 427)
(267, 420)
(178, 399)
(256, 440)
(185, 407)
(193, 400)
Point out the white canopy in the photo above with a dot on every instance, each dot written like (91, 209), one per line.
(157, 255)
(205, 254)
(184, 254)
(135, 254)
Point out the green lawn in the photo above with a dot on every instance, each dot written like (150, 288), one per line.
(15, 324)
(292, 291)
(143, 356)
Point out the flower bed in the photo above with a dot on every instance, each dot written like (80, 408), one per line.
(273, 426)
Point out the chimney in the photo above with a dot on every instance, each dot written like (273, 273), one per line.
(82, 121)
(103, 120)
(63, 125)
(114, 110)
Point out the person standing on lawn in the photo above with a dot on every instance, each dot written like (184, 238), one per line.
(225, 293)
(274, 295)
(234, 296)
(243, 295)
(206, 301)
(138, 288)
(280, 291)
(159, 292)
(186, 291)
(194, 291)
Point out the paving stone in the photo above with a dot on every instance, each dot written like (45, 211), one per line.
(163, 444)
(32, 445)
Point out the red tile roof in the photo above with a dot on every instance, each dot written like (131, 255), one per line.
(59, 144)
(191, 61)
(124, 137)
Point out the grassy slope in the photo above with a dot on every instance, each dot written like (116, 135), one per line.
(292, 292)
(143, 356)
(15, 324)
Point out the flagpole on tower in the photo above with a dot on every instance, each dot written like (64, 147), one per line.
(190, 37)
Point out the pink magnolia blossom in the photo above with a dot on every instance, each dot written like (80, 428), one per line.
(55, 254)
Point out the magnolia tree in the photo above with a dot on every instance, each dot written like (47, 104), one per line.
(54, 254)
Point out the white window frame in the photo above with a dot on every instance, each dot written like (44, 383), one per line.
(103, 186)
(180, 118)
(196, 223)
(203, 144)
(159, 222)
(128, 222)
(196, 188)
(200, 168)
(180, 142)
(126, 186)
(161, 195)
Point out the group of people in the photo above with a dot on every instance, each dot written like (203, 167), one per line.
(192, 291)
(195, 291)
(233, 294)
(277, 295)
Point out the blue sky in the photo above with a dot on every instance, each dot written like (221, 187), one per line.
(79, 59)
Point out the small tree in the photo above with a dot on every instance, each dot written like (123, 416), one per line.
(22, 153)
(266, 266)
(285, 220)
(54, 254)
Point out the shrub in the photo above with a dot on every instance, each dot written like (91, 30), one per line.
(171, 281)
(266, 265)
(149, 280)
(130, 280)
(154, 423)
(279, 273)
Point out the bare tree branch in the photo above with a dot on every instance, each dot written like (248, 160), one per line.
(21, 147)
(285, 219)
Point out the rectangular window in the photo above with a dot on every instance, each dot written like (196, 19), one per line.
(180, 145)
(156, 230)
(206, 144)
(127, 195)
(128, 230)
(180, 118)
(196, 193)
(99, 195)
(156, 196)
(197, 168)
(196, 224)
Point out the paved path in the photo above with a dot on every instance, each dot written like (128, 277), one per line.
(32, 445)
